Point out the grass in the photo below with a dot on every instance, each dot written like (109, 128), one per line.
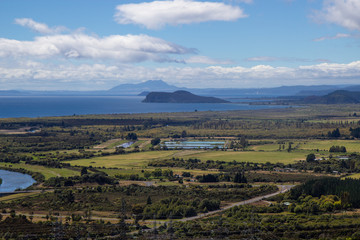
(266, 147)
(16, 196)
(129, 163)
(132, 163)
(47, 172)
(251, 156)
(312, 145)
(355, 176)
(131, 160)
(351, 145)
(115, 144)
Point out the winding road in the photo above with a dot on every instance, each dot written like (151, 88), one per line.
(282, 189)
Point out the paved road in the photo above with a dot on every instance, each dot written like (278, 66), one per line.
(282, 189)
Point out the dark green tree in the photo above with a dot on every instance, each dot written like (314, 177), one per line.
(310, 157)
(155, 141)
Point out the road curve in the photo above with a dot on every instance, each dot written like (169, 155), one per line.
(282, 189)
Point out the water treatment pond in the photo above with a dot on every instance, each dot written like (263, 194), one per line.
(194, 144)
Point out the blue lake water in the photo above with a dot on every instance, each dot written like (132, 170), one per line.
(42, 106)
(14, 180)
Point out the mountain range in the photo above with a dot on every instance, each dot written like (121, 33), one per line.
(336, 97)
(160, 86)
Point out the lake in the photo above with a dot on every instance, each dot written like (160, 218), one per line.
(14, 180)
(43, 106)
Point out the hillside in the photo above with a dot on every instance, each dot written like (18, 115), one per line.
(180, 97)
(336, 97)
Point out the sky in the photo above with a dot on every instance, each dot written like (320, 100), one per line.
(96, 44)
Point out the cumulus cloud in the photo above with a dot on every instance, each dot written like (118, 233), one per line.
(39, 27)
(123, 48)
(157, 14)
(341, 12)
(63, 76)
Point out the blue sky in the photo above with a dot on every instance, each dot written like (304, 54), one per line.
(90, 45)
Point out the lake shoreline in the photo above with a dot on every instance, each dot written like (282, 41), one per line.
(14, 179)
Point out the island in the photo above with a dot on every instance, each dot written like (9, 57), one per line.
(180, 97)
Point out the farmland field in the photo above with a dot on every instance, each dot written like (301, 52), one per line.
(46, 171)
(312, 145)
(136, 160)
(251, 156)
(125, 160)
(351, 145)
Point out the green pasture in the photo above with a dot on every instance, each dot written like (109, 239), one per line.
(130, 160)
(139, 160)
(251, 156)
(311, 145)
(46, 171)
(355, 176)
(266, 147)
(11, 197)
(351, 145)
(115, 144)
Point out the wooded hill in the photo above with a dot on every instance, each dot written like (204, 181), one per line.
(180, 97)
(336, 97)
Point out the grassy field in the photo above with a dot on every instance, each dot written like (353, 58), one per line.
(251, 156)
(312, 145)
(47, 172)
(130, 160)
(11, 197)
(355, 176)
(134, 161)
(351, 145)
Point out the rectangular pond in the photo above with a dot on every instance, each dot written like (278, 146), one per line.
(194, 144)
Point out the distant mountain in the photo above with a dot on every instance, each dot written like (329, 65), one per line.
(11, 93)
(136, 89)
(354, 88)
(160, 86)
(320, 90)
(336, 97)
(269, 92)
(180, 97)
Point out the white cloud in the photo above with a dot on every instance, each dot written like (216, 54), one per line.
(39, 27)
(207, 60)
(157, 14)
(345, 13)
(122, 48)
(283, 59)
(240, 1)
(34, 75)
(262, 59)
(337, 36)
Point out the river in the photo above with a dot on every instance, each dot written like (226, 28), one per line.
(14, 180)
